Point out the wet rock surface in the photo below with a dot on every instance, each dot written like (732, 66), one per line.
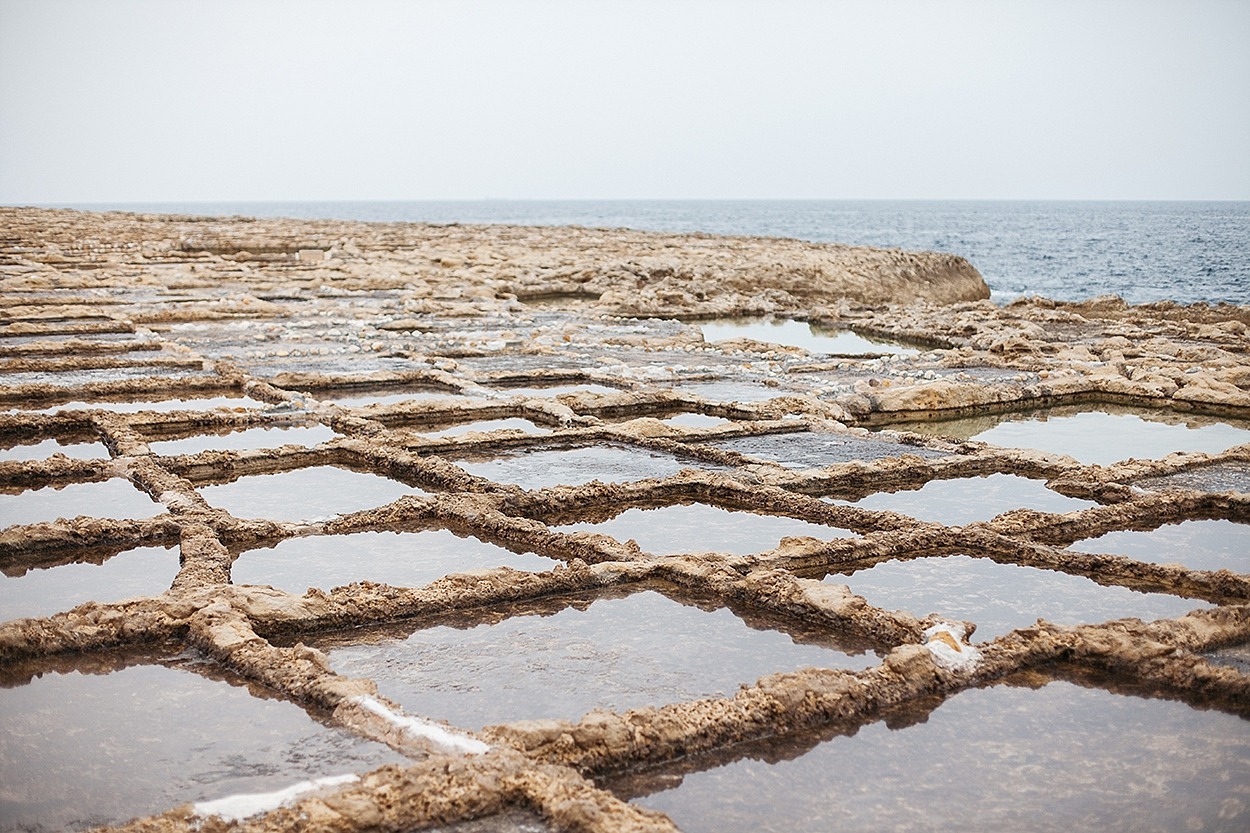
(517, 390)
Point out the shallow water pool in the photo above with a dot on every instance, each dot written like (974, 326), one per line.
(164, 405)
(540, 468)
(84, 749)
(698, 527)
(509, 424)
(245, 440)
(817, 449)
(1059, 758)
(357, 398)
(43, 449)
(614, 653)
(404, 559)
(968, 499)
(308, 494)
(556, 390)
(143, 571)
(1199, 545)
(1002, 597)
(792, 333)
(113, 498)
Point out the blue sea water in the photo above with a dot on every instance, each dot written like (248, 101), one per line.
(1141, 251)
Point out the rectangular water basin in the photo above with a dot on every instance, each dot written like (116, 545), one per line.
(508, 424)
(728, 392)
(143, 571)
(405, 559)
(308, 494)
(1002, 597)
(810, 337)
(112, 498)
(1045, 760)
(540, 468)
(356, 397)
(815, 449)
(1221, 477)
(212, 403)
(101, 746)
(43, 449)
(1101, 435)
(698, 527)
(966, 499)
(562, 658)
(556, 390)
(1199, 545)
(246, 440)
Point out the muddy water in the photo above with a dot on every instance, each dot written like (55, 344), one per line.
(509, 424)
(113, 498)
(1199, 545)
(46, 448)
(85, 749)
(1057, 759)
(1094, 435)
(314, 493)
(792, 333)
(1002, 597)
(144, 571)
(163, 405)
(614, 653)
(406, 559)
(698, 527)
(245, 440)
(967, 499)
(540, 468)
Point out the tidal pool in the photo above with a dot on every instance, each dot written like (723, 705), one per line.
(540, 468)
(404, 559)
(810, 337)
(698, 527)
(967, 499)
(561, 660)
(79, 750)
(1002, 597)
(43, 449)
(143, 571)
(1053, 759)
(1101, 435)
(308, 494)
(112, 498)
(816, 449)
(1199, 545)
(245, 440)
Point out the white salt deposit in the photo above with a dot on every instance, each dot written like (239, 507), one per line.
(246, 805)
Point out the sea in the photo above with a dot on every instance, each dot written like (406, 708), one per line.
(1140, 251)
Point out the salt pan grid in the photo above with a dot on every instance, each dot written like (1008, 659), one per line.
(782, 437)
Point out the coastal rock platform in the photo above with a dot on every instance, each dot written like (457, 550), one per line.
(464, 362)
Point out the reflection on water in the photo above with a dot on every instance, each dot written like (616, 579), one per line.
(817, 449)
(698, 527)
(113, 498)
(791, 333)
(355, 397)
(690, 420)
(557, 390)
(313, 493)
(537, 469)
(616, 653)
(1060, 758)
(1199, 545)
(968, 499)
(46, 448)
(80, 750)
(1002, 597)
(1101, 435)
(163, 405)
(144, 571)
(245, 440)
(509, 424)
(407, 559)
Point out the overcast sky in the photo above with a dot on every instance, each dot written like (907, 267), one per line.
(147, 100)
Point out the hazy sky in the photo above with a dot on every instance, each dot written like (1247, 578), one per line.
(145, 100)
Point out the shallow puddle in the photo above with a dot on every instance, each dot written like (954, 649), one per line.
(728, 392)
(405, 559)
(163, 405)
(1234, 656)
(696, 421)
(698, 527)
(84, 749)
(557, 390)
(540, 468)
(44, 449)
(1199, 545)
(245, 440)
(1094, 436)
(812, 449)
(113, 498)
(1002, 597)
(1221, 477)
(144, 571)
(509, 821)
(810, 337)
(314, 493)
(359, 398)
(615, 653)
(1060, 758)
(968, 499)
(509, 424)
